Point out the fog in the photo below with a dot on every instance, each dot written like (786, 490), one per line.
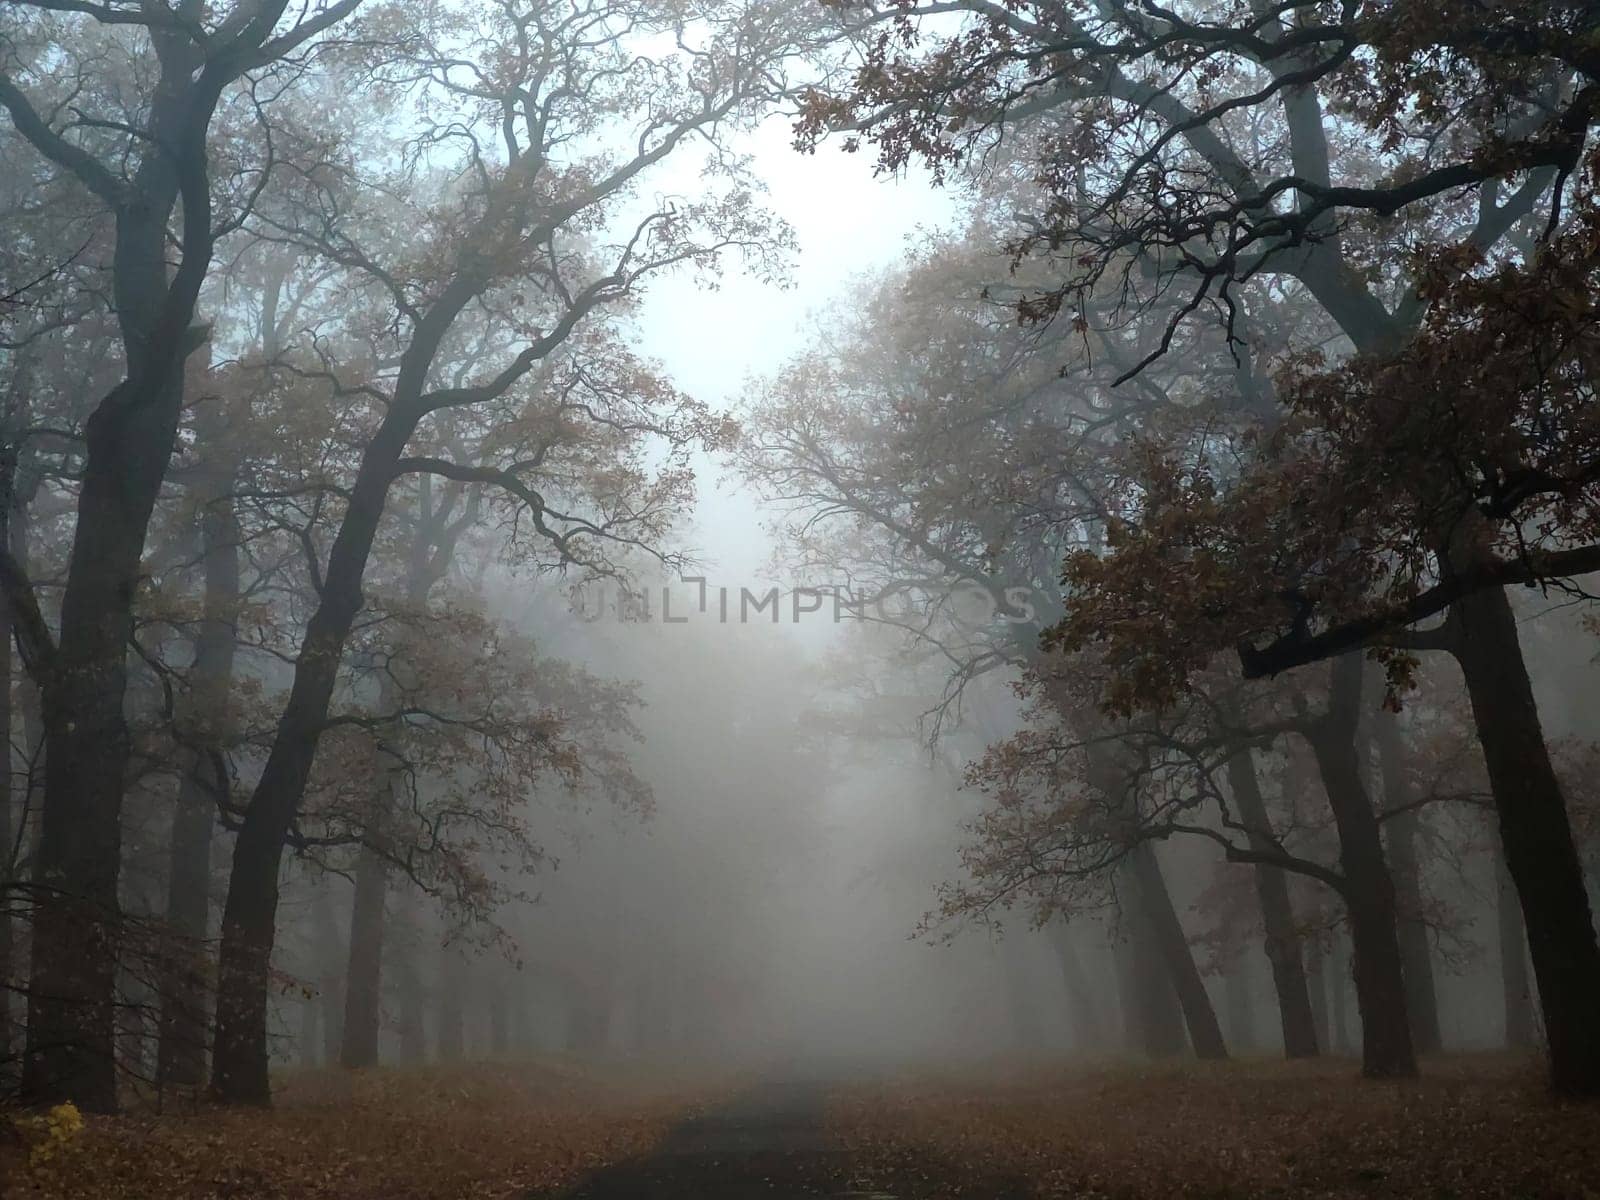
(794, 541)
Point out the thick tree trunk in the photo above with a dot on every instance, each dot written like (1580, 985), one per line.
(1152, 1021)
(1317, 986)
(1516, 987)
(1282, 942)
(185, 1011)
(412, 1025)
(1161, 919)
(1537, 838)
(402, 949)
(363, 996)
(310, 1031)
(1386, 1047)
(83, 679)
(1422, 997)
(1401, 827)
(329, 982)
(71, 997)
(181, 1052)
(1339, 978)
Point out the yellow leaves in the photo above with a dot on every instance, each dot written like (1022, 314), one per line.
(55, 1134)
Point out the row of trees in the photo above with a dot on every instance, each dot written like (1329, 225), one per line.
(1270, 343)
(304, 303)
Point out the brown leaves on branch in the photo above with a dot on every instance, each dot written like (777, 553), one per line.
(1469, 459)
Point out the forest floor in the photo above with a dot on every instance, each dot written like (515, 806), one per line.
(1474, 1126)
(470, 1132)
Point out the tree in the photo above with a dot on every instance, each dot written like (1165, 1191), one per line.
(521, 238)
(142, 172)
(931, 458)
(1404, 487)
(1162, 185)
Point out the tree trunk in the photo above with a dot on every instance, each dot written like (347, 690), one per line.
(363, 1003)
(310, 1031)
(1540, 853)
(403, 952)
(76, 927)
(1282, 942)
(1317, 986)
(1339, 974)
(180, 1057)
(1422, 998)
(329, 980)
(1386, 1047)
(181, 1050)
(249, 918)
(9, 877)
(1161, 918)
(1152, 1021)
(127, 442)
(431, 551)
(1516, 987)
(1416, 957)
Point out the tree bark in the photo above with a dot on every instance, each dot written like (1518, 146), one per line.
(1416, 956)
(1317, 986)
(1539, 849)
(1161, 918)
(363, 996)
(76, 926)
(329, 994)
(1152, 1021)
(8, 859)
(1386, 1046)
(1282, 942)
(1339, 974)
(180, 1057)
(1516, 987)
(311, 1031)
(412, 1026)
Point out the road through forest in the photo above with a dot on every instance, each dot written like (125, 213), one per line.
(770, 1142)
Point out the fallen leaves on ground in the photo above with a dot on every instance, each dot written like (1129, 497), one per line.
(1472, 1127)
(475, 1132)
